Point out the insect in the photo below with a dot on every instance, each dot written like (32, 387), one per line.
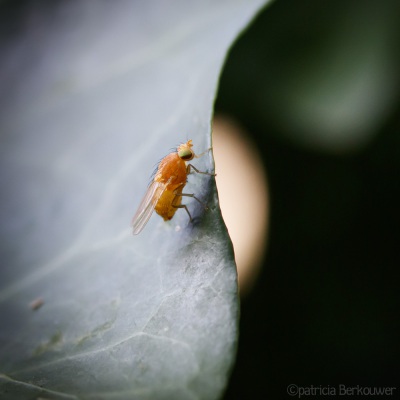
(164, 194)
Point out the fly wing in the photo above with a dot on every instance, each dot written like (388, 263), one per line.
(146, 207)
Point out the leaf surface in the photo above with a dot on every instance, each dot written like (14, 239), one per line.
(93, 95)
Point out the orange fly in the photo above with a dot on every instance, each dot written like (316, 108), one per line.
(165, 192)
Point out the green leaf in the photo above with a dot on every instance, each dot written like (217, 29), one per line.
(95, 96)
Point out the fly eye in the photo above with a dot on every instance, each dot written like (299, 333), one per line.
(186, 154)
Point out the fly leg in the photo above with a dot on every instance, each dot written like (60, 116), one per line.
(192, 195)
(180, 194)
(190, 166)
(185, 207)
(204, 152)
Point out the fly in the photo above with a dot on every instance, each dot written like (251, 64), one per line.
(164, 195)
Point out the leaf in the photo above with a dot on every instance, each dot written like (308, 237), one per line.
(92, 96)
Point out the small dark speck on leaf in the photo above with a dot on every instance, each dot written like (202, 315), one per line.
(36, 304)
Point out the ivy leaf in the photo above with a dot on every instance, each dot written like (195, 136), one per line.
(92, 96)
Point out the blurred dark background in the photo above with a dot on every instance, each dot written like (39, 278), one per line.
(316, 83)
